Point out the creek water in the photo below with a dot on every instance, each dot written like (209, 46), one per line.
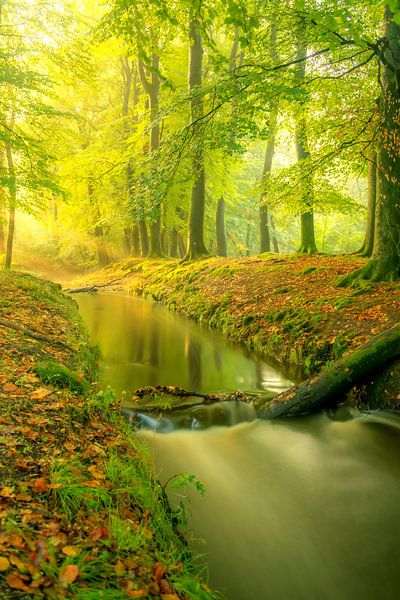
(297, 509)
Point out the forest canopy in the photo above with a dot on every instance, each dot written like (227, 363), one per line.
(187, 128)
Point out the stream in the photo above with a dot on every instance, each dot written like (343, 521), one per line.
(297, 509)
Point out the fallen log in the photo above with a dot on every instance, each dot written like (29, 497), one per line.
(178, 392)
(327, 389)
(91, 288)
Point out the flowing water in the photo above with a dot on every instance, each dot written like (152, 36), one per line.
(297, 509)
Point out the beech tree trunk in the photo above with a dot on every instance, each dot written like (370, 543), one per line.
(368, 243)
(333, 382)
(307, 243)
(265, 236)
(220, 227)
(196, 247)
(152, 88)
(385, 260)
(144, 239)
(174, 243)
(2, 229)
(384, 264)
(274, 236)
(13, 204)
(135, 240)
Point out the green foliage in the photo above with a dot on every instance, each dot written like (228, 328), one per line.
(58, 375)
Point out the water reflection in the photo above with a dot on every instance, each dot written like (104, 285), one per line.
(145, 344)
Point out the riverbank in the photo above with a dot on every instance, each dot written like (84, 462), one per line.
(286, 307)
(81, 514)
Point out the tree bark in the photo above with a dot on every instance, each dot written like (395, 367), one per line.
(384, 264)
(13, 204)
(144, 239)
(307, 243)
(174, 243)
(2, 230)
(196, 247)
(328, 387)
(368, 243)
(265, 237)
(220, 227)
(274, 236)
(152, 88)
(135, 240)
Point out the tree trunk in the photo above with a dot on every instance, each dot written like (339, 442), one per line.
(174, 243)
(128, 241)
(13, 203)
(333, 382)
(368, 244)
(196, 247)
(152, 88)
(248, 233)
(307, 243)
(135, 240)
(220, 226)
(2, 230)
(384, 264)
(144, 239)
(265, 238)
(274, 236)
(181, 246)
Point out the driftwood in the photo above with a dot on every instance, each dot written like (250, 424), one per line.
(179, 392)
(91, 288)
(327, 388)
(35, 335)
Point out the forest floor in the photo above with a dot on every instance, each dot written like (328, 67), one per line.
(81, 514)
(289, 308)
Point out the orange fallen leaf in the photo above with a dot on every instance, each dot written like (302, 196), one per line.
(4, 563)
(158, 572)
(68, 575)
(10, 387)
(40, 394)
(40, 485)
(70, 550)
(6, 492)
(16, 582)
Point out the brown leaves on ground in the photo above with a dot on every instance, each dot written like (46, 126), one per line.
(43, 552)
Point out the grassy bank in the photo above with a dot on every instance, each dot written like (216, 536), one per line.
(81, 514)
(289, 308)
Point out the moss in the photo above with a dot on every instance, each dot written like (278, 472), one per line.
(58, 375)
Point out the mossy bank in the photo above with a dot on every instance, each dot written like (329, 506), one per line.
(289, 308)
(81, 514)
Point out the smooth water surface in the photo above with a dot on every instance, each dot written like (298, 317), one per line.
(144, 344)
(301, 509)
(307, 509)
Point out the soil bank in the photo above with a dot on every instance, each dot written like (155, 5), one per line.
(81, 514)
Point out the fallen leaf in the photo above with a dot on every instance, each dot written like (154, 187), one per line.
(40, 485)
(40, 394)
(98, 533)
(4, 563)
(70, 550)
(158, 572)
(10, 387)
(68, 574)
(16, 582)
(6, 492)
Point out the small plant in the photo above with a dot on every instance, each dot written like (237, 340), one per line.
(72, 493)
(60, 376)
